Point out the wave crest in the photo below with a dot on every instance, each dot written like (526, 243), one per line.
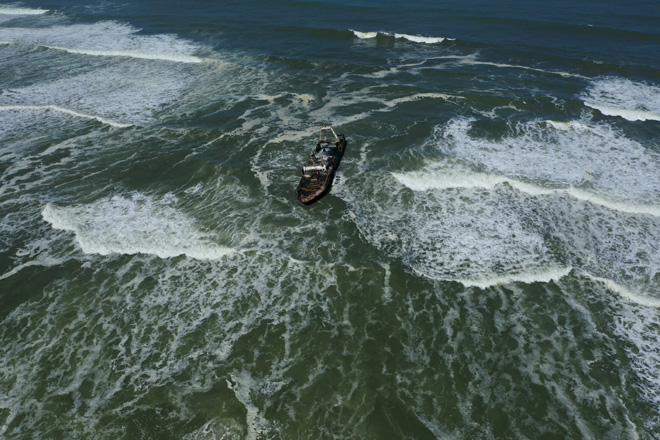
(408, 37)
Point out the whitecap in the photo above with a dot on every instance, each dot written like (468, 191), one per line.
(590, 161)
(441, 177)
(365, 35)
(105, 38)
(180, 58)
(8, 10)
(421, 39)
(119, 95)
(135, 225)
(625, 292)
(631, 100)
(474, 237)
(408, 37)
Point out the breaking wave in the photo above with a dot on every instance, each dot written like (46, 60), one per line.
(634, 101)
(106, 38)
(435, 177)
(135, 225)
(412, 38)
(8, 10)
(590, 157)
(574, 204)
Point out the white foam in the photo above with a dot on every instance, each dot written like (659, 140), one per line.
(59, 109)
(44, 261)
(634, 101)
(105, 38)
(122, 94)
(475, 237)
(412, 38)
(625, 292)
(365, 35)
(460, 224)
(134, 225)
(5, 10)
(472, 60)
(589, 161)
(131, 54)
(568, 125)
(328, 112)
(434, 177)
(631, 115)
(419, 96)
(636, 321)
(421, 39)
(544, 275)
(154, 338)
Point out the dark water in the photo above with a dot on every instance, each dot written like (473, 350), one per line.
(487, 265)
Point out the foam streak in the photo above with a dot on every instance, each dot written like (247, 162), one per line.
(177, 58)
(67, 111)
(631, 115)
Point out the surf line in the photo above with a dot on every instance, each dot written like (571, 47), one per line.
(534, 276)
(625, 292)
(59, 109)
(539, 275)
(424, 181)
(177, 58)
(629, 114)
(412, 38)
(21, 11)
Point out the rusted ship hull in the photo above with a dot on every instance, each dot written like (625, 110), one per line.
(319, 172)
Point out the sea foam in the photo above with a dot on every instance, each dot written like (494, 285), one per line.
(137, 224)
(625, 292)
(591, 161)
(105, 38)
(634, 101)
(408, 37)
(434, 177)
(527, 205)
(67, 111)
(122, 94)
(8, 10)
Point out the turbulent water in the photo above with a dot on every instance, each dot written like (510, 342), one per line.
(486, 266)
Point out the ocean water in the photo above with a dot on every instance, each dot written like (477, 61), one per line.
(486, 266)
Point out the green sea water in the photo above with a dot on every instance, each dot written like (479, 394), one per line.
(486, 266)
